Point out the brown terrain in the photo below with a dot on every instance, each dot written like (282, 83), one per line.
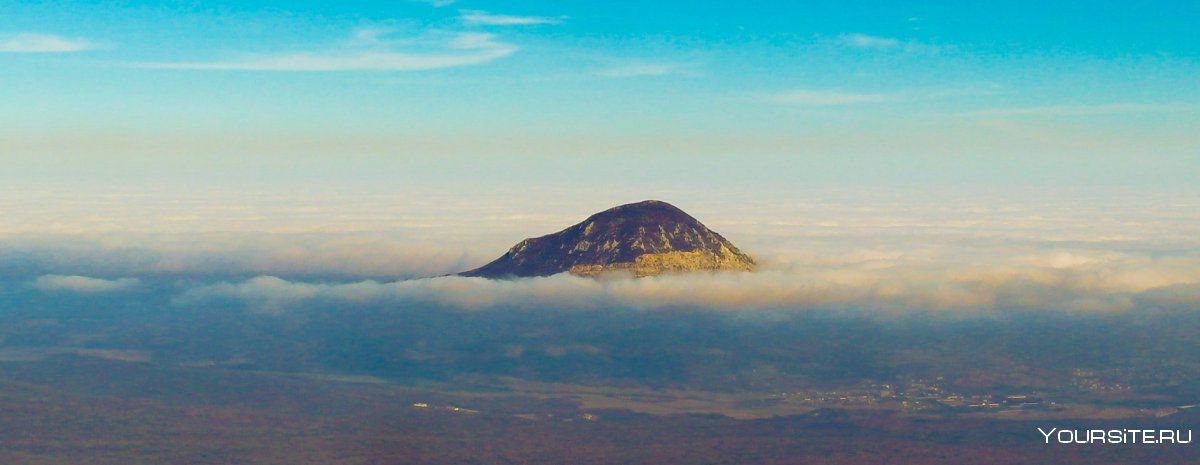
(99, 411)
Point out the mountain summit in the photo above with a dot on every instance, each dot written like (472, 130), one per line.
(645, 238)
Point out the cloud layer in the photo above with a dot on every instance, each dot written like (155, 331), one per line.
(944, 251)
(1058, 282)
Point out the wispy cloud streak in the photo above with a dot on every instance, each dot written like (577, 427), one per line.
(491, 19)
(641, 70)
(463, 49)
(1074, 289)
(871, 42)
(828, 98)
(1082, 110)
(43, 43)
(83, 284)
(867, 41)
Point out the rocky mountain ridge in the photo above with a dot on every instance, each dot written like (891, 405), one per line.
(644, 239)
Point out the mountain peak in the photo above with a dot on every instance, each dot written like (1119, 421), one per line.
(644, 238)
(646, 209)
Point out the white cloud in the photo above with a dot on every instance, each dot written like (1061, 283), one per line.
(828, 98)
(462, 49)
(83, 284)
(1080, 110)
(265, 294)
(436, 3)
(369, 36)
(490, 19)
(43, 43)
(867, 41)
(641, 70)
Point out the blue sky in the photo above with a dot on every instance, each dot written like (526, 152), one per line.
(599, 94)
